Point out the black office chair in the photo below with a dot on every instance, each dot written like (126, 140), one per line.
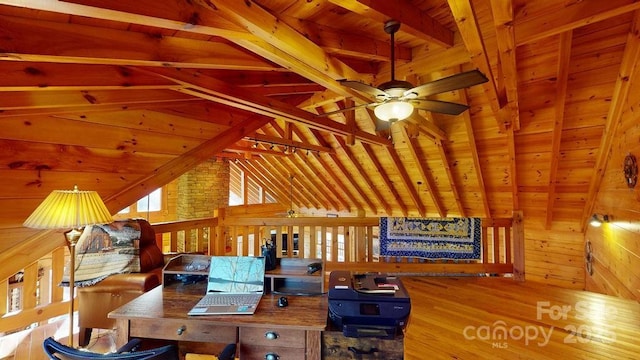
(57, 351)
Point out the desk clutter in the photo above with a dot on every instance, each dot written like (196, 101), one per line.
(292, 276)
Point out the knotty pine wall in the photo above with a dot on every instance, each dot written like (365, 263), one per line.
(616, 245)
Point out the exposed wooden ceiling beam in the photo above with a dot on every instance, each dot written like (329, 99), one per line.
(349, 45)
(406, 180)
(42, 102)
(312, 182)
(345, 174)
(196, 19)
(424, 173)
(366, 177)
(558, 17)
(562, 76)
(284, 45)
(266, 181)
(428, 60)
(311, 188)
(475, 156)
(321, 182)
(301, 193)
(214, 90)
(81, 44)
(505, 38)
(179, 16)
(414, 22)
(513, 168)
(452, 180)
(385, 178)
(74, 109)
(464, 15)
(181, 164)
(328, 176)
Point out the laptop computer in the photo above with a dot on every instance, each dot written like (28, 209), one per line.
(235, 286)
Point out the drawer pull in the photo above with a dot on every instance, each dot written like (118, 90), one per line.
(271, 335)
(271, 356)
(181, 330)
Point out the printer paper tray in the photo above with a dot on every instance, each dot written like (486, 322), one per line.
(376, 331)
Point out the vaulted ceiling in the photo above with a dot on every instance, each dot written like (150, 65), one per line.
(125, 96)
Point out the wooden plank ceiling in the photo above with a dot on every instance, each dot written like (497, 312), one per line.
(124, 96)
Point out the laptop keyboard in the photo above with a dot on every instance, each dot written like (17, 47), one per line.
(230, 300)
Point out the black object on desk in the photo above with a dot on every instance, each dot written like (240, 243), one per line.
(368, 305)
(313, 267)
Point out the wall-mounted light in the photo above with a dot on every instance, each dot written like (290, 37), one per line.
(597, 220)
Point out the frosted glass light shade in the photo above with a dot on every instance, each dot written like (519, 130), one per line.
(66, 209)
(393, 110)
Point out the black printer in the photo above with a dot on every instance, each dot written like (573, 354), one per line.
(368, 305)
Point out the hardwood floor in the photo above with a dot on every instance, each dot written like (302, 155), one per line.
(468, 318)
(27, 344)
(498, 318)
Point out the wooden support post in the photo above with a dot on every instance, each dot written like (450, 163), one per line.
(518, 246)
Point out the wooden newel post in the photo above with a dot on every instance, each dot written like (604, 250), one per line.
(518, 246)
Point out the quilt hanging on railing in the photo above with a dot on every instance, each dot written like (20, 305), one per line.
(431, 238)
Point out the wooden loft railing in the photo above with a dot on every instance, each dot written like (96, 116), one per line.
(342, 244)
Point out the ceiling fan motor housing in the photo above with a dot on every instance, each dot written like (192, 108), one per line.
(395, 88)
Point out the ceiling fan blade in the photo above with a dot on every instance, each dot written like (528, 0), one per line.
(453, 82)
(367, 89)
(345, 109)
(438, 106)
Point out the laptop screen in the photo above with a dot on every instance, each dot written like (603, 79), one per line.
(236, 274)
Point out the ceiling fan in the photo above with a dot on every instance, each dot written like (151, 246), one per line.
(396, 99)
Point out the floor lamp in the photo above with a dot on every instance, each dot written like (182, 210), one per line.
(70, 209)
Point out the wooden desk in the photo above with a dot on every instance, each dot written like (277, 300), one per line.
(162, 314)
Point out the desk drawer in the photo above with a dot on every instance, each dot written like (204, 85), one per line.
(256, 352)
(272, 337)
(183, 330)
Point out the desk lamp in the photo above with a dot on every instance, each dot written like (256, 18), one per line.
(70, 209)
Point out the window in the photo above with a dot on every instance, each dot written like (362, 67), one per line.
(151, 202)
(241, 183)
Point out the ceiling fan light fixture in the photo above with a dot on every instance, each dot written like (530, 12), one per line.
(393, 110)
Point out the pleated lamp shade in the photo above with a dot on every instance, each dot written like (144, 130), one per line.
(67, 209)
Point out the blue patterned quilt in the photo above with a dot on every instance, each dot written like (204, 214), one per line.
(431, 238)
